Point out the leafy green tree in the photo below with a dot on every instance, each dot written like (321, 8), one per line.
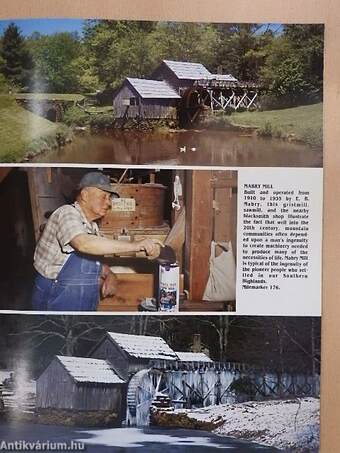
(120, 49)
(293, 70)
(307, 42)
(192, 42)
(242, 49)
(87, 80)
(15, 59)
(55, 62)
(117, 49)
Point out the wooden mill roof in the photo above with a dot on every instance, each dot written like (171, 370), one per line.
(223, 77)
(143, 346)
(153, 89)
(193, 357)
(186, 70)
(95, 371)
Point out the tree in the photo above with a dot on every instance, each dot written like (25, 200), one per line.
(184, 41)
(242, 49)
(116, 50)
(54, 57)
(15, 59)
(308, 42)
(280, 344)
(293, 71)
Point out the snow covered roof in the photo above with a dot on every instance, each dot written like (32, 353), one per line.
(223, 77)
(143, 346)
(193, 357)
(153, 89)
(94, 371)
(186, 70)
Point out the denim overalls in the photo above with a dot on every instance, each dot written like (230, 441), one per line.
(76, 287)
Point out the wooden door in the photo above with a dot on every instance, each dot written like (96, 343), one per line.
(211, 215)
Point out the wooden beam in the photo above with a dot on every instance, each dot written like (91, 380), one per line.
(229, 100)
(199, 232)
(197, 306)
(252, 101)
(4, 171)
(224, 184)
(241, 101)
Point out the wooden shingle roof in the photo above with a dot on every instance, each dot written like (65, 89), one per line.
(193, 357)
(153, 89)
(223, 77)
(89, 370)
(143, 346)
(187, 70)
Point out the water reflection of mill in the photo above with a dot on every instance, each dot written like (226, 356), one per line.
(227, 148)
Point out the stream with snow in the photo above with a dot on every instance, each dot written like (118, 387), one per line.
(128, 439)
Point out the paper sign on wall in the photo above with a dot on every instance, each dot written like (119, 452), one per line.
(124, 204)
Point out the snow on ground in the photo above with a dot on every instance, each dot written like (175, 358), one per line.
(290, 425)
(137, 438)
(21, 397)
(4, 374)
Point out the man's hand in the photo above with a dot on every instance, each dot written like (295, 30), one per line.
(109, 282)
(152, 247)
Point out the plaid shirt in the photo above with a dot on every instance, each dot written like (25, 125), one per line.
(54, 247)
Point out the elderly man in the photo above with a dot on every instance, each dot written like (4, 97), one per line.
(70, 276)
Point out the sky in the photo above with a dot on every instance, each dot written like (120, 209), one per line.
(50, 26)
(44, 26)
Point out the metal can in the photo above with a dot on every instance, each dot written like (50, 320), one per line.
(168, 291)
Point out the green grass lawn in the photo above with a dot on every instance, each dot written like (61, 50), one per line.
(23, 132)
(299, 123)
(99, 109)
(51, 96)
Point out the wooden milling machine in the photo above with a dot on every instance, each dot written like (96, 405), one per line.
(138, 214)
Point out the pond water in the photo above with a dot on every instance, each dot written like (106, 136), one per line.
(220, 148)
(121, 440)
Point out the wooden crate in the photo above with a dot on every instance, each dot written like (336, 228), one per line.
(131, 288)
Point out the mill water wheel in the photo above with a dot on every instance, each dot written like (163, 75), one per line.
(193, 103)
(145, 388)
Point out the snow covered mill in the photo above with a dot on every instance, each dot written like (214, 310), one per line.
(131, 353)
(100, 382)
(130, 375)
(78, 383)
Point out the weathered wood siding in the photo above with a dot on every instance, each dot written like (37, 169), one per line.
(137, 365)
(124, 365)
(106, 350)
(56, 389)
(159, 108)
(165, 73)
(98, 397)
(120, 110)
(45, 186)
(146, 108)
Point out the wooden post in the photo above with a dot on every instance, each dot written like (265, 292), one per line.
(199, 224)
(231, 98)
(211, 101)
(186, 400)
(252, 101)
(239, 104)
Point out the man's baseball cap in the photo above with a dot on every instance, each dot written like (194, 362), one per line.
(98, 180)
